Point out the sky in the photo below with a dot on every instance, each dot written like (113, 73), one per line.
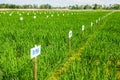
(60, 2)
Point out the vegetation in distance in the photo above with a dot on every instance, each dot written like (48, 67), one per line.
(48, 6)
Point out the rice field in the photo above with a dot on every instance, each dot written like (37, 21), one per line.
(92, 57)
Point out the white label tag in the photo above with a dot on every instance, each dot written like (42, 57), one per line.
(34, 17)
(70, 34)
(21, 18)
(91, 24)
(35, 51)
(83, 27)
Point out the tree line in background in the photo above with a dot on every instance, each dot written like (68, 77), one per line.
(48, 6)
(13, 6)
(96, 6)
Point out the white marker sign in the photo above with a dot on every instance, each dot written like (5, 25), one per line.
(47, 16)
(34, 17)
(21, 18)
(83, 27)
(91, 24)
(35, 51)
(10, 14)
(70, 34)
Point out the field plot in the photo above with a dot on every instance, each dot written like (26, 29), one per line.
(101, 58)
(21, 30)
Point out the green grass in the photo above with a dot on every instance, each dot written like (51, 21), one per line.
(18, 37)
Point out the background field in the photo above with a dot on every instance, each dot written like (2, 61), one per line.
(99, 59)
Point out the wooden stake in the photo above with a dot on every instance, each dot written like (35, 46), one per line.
(83, 34)
(91, 28)
(68, 47)
(35, 68)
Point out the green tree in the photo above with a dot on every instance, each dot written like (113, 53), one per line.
(87, 7)
(45, 6)
(116, 6)
(35, 6)
(97, 6)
